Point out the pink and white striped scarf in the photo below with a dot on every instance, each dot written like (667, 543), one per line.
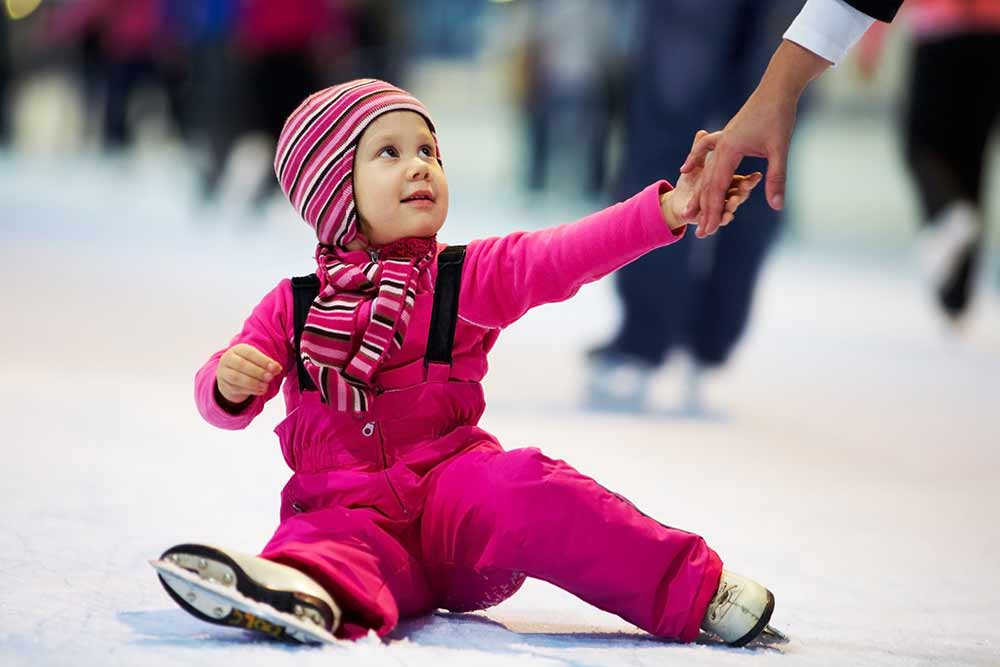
(342, 374)
(314, 163)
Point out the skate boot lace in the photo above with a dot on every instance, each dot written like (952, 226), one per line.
(724, 598)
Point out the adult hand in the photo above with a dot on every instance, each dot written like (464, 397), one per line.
(762, 128)
(676, 202)
(244, 371)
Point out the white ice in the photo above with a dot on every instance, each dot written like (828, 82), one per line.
(850, 462)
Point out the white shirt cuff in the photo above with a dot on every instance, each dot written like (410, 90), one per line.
(828, 28)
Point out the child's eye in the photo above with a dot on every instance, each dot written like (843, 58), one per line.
(389, 151)
(427, 151)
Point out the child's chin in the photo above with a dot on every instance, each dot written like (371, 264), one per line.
(427, 230)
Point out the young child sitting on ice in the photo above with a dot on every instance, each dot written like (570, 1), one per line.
(399, 503)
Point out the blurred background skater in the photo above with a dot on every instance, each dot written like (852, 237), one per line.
(206, 28)
(572, 62)
(379, 42)
(276, 60)
(5, 75)
(123, 44)
(696, 62)
(954, 100)
(269, 55)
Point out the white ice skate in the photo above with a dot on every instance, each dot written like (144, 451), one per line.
(740, 611)
(616, 382)
(942, 244)
(230, 588)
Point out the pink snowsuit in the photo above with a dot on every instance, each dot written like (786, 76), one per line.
(411, 506)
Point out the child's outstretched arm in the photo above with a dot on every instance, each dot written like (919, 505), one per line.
(506, 276)
(235, 383)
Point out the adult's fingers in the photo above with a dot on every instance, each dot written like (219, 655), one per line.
(700, 156)
(774, 187)
(717, 177)
(704, 142)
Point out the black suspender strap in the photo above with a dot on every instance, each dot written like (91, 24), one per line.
(305, 289)
(444, 316)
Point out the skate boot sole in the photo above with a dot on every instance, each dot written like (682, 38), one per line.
(211, 586)
(756, 631)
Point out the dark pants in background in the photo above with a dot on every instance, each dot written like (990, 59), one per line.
(123, 78)
(269, 88)
(4, 83)
(953, 106)
(697, 64)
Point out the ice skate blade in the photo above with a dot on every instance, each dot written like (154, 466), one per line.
(772, 635)
(224, 605)
(278, 586)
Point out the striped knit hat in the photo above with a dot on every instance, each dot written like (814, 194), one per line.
(314, 163)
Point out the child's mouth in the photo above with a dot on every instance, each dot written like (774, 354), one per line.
(420, 198)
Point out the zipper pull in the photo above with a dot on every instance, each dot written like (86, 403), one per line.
(373, 254)
(368, 429)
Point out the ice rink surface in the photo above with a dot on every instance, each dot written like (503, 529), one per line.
(849, 461)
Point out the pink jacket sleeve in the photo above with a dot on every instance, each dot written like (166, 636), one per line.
(269, 329)
(505, 277)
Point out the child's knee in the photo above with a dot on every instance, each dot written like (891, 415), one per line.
(520, 466)
(464, 589)
(527, 483)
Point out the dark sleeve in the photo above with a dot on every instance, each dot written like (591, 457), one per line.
(882, 10)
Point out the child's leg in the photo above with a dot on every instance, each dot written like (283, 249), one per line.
(349, 552)
(493, 517)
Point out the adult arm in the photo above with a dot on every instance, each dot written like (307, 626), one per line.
(819, 37)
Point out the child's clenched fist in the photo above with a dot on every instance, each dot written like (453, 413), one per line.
(244, 371)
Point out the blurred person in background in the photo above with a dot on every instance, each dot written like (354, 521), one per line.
(572, 59)
(379, 41)
(954, 101)
(206, 30)
(694, 59)
(4, 81)
(448, 28)
(279, 55)
(124, 43)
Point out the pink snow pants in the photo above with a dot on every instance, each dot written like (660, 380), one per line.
(396, 520)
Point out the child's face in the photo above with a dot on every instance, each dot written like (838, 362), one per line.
(399, 187)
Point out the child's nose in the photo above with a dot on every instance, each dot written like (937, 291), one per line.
(417, 169)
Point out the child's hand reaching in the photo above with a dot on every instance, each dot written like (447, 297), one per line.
(674, 202)
(244, 371)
